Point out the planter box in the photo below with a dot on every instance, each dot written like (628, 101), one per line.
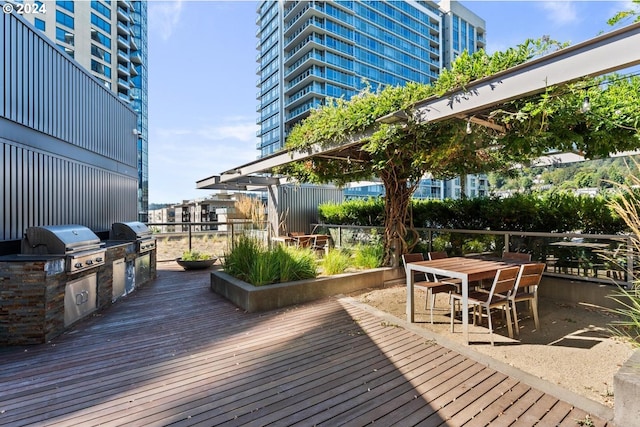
(262, 298)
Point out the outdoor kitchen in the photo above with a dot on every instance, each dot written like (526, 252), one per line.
(64, 273)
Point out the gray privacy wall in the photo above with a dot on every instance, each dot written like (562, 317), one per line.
(294, 207)
(67, 147)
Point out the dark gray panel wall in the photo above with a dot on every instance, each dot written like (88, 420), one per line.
(68, 151)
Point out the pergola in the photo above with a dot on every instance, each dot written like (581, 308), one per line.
(606, 53)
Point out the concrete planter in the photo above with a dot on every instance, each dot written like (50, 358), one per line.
(626, 389)
(262, 298)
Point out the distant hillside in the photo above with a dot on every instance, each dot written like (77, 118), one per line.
(571, 176)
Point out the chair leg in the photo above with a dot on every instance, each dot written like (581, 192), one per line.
(515, 318)
(490, 325)
(534, 309)
(508, 313)
(451, 303)
(433, 304)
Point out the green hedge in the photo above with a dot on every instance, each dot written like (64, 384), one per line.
(548, 212)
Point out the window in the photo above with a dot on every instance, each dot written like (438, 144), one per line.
(64, 36)
(66, 50)
(64, 19)
(40, 24)
(100, 53)
(100, 68)
(100, 23)
(68, 5)
(101, 9)
(101, 38)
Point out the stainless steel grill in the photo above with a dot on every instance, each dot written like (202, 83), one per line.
(134, 231)
(79, 245)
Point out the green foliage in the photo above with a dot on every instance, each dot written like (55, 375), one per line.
(547, 212)
(336, 261)
(195, 256)
(368, 256)
(364, 212)
(251, 262)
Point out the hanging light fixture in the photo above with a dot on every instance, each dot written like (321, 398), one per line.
(469, 127)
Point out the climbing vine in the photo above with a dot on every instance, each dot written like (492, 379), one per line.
(401, 154)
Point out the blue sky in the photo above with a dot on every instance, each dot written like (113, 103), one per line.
(202, 78)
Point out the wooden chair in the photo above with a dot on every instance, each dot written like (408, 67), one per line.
(516, 256)
(427, 284)
(442, 255)
(527, 290)
(320, 243)
(303, 241)
(437, 255)
(498, 297)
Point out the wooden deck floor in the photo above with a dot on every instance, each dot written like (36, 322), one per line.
(174, 353)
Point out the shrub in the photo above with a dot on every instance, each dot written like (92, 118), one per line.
(195, 256)
(251, 262)
(336, 261)
(368, 256)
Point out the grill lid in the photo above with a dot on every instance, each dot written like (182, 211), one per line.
(133, 230)
(59, 239)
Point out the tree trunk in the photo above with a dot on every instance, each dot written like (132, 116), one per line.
(397, 198)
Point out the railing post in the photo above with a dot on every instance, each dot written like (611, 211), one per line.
(506, 243)
(430, 238)
(189, 237)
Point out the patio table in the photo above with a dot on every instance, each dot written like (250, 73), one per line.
(468, 270)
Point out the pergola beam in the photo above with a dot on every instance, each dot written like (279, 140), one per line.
(601, 55)
(609, 52)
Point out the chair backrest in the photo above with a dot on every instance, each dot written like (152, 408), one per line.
(516, 256)
(303, 241)
(320, 241)
(437, 255)
(530, 276)
(505, 281)
(412, 258)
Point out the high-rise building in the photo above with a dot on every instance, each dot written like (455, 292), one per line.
(310, 50)
(109, 38)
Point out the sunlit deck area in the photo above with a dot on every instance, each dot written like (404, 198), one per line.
(175, 353)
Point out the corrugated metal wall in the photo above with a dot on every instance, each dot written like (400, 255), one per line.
(68, 151)
(295, 207)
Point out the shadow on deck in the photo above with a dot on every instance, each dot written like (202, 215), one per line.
(175, 353)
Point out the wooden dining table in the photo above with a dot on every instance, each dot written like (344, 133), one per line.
(468, 270)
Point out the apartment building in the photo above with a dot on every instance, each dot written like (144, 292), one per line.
(108, 38)
(311, 50)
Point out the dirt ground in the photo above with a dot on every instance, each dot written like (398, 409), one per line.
(573, 348)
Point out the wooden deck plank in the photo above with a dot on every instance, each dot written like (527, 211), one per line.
(175, 353)
(475, 389)
(351, 369)
(428, 390)
(535, 413)
(490, 414)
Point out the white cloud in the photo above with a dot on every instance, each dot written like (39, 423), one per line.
(561, 12)
(164, 17)
(178, 157)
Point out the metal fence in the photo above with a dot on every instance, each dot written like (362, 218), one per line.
(603, 258)
(215, 238)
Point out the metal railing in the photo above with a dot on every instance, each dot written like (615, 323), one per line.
(212, 237)
(602, 258)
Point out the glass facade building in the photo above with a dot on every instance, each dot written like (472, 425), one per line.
(109, 38)
(311, 50)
